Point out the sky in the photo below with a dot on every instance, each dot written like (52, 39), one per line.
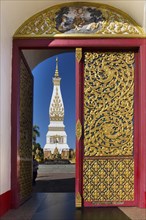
(43, 88)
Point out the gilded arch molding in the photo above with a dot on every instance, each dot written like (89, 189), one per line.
(80, 19)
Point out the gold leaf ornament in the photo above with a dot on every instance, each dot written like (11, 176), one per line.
(78, 130)
(78, 200)
(78, 54)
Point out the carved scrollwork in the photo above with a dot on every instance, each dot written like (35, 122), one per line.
(79, 19)
(108, 103)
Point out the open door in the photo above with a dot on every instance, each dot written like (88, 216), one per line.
(26, 124)
(106, 158)
(22, 155)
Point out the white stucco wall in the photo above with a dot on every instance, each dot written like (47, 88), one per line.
(144, 18)
(12, 15)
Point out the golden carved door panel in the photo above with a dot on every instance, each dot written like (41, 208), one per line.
(26, 117)
(108, 158)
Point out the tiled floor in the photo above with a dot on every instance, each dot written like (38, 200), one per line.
(60, 206)
(134, 213)
(53, 198)
(26, 211)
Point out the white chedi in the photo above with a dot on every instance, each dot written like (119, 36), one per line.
(56, 136)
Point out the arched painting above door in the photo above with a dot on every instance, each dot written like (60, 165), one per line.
(80, 19)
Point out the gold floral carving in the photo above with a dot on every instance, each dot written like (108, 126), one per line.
(26, 112)
(114, 23)
(78, 54)
(57, 108)
(108, 181)
(78, 200)
(108, 103)
(25, 148)
(78, 130)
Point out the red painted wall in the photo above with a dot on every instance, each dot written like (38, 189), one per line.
(5, 202)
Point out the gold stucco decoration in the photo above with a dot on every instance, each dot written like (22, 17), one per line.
(108, 103)
(25, 144)
(79, 19)
(78, 130)
(78, 200)
(57, 109)
(108, 181)
(78, 54)
(108, 166)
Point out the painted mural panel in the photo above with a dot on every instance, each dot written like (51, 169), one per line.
(79, 20)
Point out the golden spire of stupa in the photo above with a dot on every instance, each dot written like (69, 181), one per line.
(56, 71)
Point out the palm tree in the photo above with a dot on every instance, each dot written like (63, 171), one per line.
(35, 134)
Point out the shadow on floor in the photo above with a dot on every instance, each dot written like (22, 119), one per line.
(61, 206)
(58, 185)
(108, 213)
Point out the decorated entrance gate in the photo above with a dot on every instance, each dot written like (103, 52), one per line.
(110, 98)
(108, 128)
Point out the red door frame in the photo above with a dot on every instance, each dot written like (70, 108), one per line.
(140, 99)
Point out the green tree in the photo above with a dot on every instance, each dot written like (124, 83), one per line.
(35, 134)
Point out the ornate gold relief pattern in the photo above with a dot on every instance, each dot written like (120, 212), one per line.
(108, 103)
(79, 18)
(25, 149)
(57, 109)
(78, 130)
(39, 25)
(78, 54)
(108, 181)
(78, 200)
(25, 179)
(26, 111)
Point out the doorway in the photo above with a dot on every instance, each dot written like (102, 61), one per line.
(62, 43)
(56, 171)
(29, 59)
